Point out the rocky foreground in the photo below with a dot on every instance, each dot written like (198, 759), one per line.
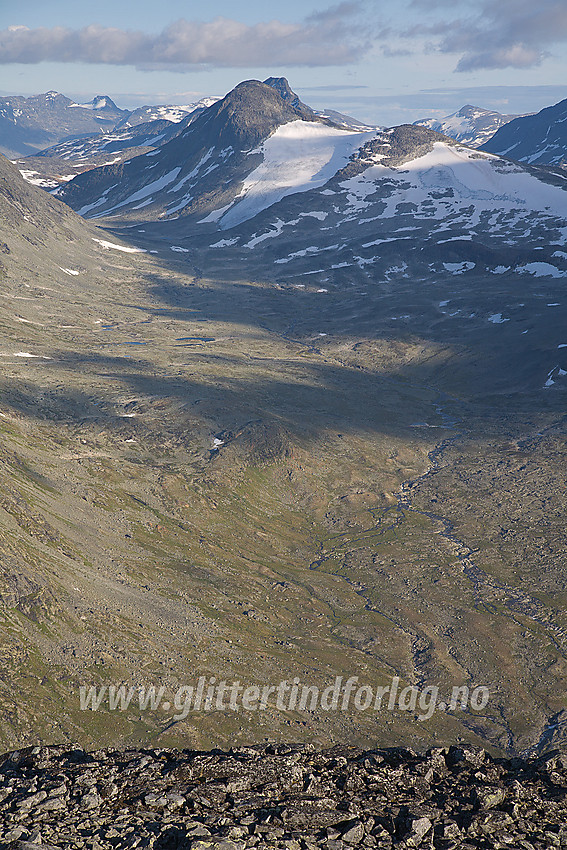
(281, 797)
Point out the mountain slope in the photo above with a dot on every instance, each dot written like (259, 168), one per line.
(394, 204)
(41, 233)
(539, 139)
(471, 125)
(58, 164)
(412, 202)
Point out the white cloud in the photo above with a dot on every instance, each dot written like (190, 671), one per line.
(330, 37)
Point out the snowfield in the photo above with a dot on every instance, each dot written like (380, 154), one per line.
(472, 183)
(299, 156)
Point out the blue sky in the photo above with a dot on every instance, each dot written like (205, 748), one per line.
(380, 60)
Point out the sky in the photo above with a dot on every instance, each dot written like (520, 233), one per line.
(383, 61)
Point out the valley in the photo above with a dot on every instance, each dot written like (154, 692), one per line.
(261, 439)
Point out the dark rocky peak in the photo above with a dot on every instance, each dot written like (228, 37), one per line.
(393, 147)
(48, 100)
(248, 115)
(281, 85)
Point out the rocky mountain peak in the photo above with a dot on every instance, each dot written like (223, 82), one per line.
(102, 101)
(249, 113)
(281, 85)
(50, 99)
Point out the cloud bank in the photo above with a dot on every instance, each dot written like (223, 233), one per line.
(326, 38)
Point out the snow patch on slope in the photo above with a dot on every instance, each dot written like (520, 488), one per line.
(541, 270)
(126, 250)
(146, 191)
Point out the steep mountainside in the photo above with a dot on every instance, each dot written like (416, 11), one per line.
(28, 124)
(471, 125)
(539, 139)
(41, 233)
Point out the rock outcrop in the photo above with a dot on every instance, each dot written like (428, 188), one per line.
(292, 798)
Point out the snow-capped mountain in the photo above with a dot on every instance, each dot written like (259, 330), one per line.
(409, 204)
(29, 124)
(471, 125)
(145, 114)
(539, 139)
(101, 103)
(204, 167)
(263, 180)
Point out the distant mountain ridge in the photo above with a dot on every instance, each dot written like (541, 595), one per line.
(539, 139)
(174, 113)
(59, 163)
(471, 125)
(29, 124)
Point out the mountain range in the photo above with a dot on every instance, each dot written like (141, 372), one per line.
(134, 133)
(293, 189)
(470, 125)
(56, 165)
(146, 114)
(29, 124)
(216, 152)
